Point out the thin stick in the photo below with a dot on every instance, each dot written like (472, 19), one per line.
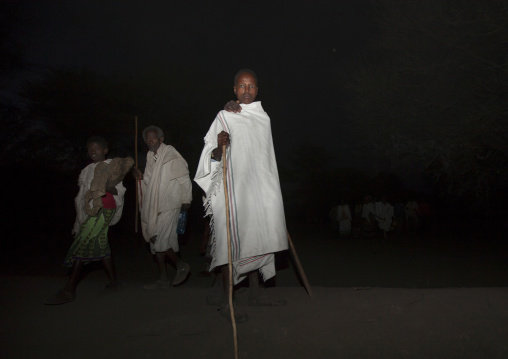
(230, 266)
(136, 160)
(299, 265)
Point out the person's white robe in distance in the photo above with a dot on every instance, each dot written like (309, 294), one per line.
(384, 215)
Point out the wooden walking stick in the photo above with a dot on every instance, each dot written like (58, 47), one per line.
(230, 265)
(299, 265)
(136, 164)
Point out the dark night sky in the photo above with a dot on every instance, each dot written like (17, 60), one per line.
(296, 51)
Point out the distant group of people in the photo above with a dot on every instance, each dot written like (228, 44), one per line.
(257, 227)
(371, 217)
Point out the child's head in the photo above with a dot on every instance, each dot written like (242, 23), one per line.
(97, 148)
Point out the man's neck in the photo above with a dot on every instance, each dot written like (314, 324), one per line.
(158, 148)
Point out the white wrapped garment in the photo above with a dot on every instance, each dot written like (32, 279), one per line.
(257, 222)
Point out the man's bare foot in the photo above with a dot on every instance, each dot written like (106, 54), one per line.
(61, 297)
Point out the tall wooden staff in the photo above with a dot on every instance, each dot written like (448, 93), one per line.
(230, 266)
(136, 164)
(299, 265)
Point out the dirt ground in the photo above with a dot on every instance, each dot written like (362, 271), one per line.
(431, 296)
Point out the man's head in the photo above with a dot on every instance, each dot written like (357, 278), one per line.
(246, 86)
(97, 148)
(153, 137)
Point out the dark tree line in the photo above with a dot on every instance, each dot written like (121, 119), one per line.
(431, 95)
(428, 96)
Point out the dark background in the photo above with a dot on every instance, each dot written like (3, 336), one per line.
(407, 99)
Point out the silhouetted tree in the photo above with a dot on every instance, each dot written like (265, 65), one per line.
(11, 64)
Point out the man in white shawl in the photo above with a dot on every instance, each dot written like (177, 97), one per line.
(384, 215)
(369, 227)
(257, 222)
(412, 215)
(165, 190)
(344, 218)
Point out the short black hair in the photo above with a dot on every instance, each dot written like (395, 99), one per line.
(248, 71)
(97, 139)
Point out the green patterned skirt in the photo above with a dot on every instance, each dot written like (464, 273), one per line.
(91, 242)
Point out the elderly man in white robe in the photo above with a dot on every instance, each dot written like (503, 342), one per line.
(257, 222)
(165, 191)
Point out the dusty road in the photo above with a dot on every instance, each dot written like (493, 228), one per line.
(420, 298)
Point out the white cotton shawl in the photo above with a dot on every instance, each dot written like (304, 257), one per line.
(384, 215)
(84, 181)
(257, 223)
(343, 213)
(155, 188)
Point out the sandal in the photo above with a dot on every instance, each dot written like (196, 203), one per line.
(182, 272)
(113, 286)
(61, 297)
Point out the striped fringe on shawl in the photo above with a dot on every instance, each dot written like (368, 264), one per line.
(216, 188)
(245, 265)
